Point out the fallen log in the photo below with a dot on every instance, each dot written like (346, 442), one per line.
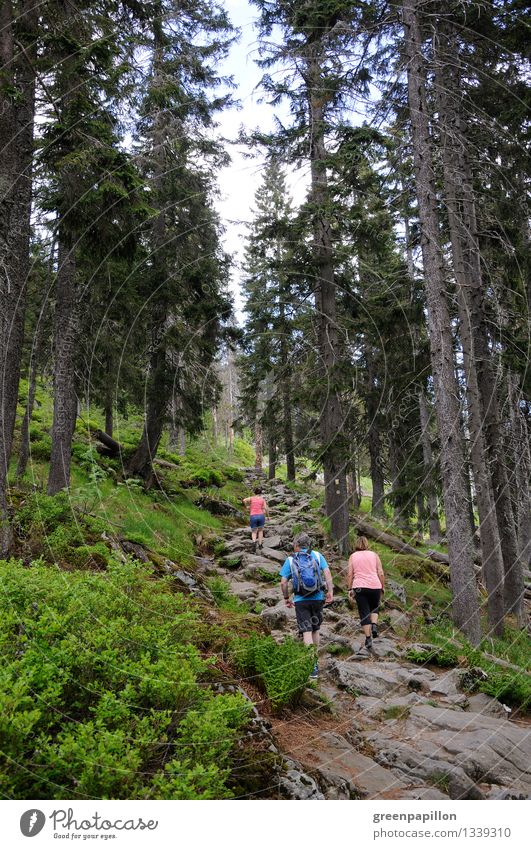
(396, 544)
(112, 447)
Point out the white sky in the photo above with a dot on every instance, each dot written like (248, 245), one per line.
(240, 180)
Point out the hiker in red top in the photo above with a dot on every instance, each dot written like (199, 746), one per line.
(259, 510)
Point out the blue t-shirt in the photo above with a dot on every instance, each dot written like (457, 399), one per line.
(285, 572)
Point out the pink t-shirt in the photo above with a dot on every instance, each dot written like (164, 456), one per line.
(257, 505)
(365, 564)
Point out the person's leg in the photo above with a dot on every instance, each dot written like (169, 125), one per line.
(304, 621)
(365, 615)
(375, 606)
(261, 532)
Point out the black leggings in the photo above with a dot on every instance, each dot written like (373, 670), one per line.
(368, 602)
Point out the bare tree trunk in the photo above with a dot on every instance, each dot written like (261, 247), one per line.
(17, 111)
(421, 516)
(287, 420)
(140, 464)
(465, 605)
(272, 458)
(427, 455)
(215, 426)
(65, 339)
(488, 528)
(481, 383)
(521, 452)
(374, 443)
(258, 447)
(108, 410)
(331, 418)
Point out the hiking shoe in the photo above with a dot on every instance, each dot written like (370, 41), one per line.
(374, 630)
(314, 675)
(368, 643)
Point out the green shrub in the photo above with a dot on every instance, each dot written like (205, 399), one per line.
(41, 449)
(95, 556)
(232, 473)
(36, 433)
(101, 684)
(44, 511)
(282, 669)
(444, 656)
(223, 596)
(512, 688)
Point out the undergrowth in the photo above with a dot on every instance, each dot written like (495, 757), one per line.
(282, 669)
(101, 692)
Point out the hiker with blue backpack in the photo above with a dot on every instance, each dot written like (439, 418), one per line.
(310, 576)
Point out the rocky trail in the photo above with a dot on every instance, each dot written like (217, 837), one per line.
(376, 726)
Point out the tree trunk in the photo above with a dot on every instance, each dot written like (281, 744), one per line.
(140, 464)
(272, 458)
(421, 516)
(521, 451)
(17, 111)
(287, 419)
(488, 529)
(331, 418)
(215, 426)
(26, 422)
(427, 455)
(353, 492)
(109, 412)
(374, 442)
(465, 605)
(259, 460)
(65, 342)
(482, 400)
(287, 424)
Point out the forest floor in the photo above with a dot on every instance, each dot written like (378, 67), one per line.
(379, 725)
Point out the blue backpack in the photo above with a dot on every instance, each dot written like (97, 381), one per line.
(306, 573)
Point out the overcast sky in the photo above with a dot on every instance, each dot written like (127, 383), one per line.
(240, 180)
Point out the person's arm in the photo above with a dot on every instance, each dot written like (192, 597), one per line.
(329, 586)
(284, 586)
(285, 575)
(266, 508)
(350, 574)
(246, 501)
(380, 572)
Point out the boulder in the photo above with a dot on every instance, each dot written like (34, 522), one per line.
(398, 621)
(294, 783)
(273, 554)
(481, 703)
(256, 560)
(261, 572)
(335, 757)
(410, 762)
(275, 618)
(376, 680)
(487, 748)
(273, 541)
(397, 590)
(385, 647)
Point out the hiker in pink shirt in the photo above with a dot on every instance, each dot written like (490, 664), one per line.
(366, 582)
(258, 511)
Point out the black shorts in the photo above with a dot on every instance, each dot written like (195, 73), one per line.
(368, 602)
(309, 615)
